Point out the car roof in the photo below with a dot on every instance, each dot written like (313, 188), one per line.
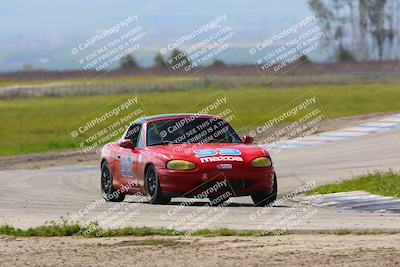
(172, 115)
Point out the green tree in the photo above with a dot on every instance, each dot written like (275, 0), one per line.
(304, 59)
(178, 60)
(218, 63)
(365, 28)
(344, 55)
(159, 61)
(128, 62)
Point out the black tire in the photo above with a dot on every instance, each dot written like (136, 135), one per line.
(262, 200)
(153, 188)
(109, 193)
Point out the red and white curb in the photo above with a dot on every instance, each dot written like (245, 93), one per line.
(339, 135)
(354, 201)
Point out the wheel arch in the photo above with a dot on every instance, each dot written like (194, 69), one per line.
(102, 161)
(147, 167)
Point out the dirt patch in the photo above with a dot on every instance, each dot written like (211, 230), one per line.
(76, 157)
(48, 159)
(292, 250)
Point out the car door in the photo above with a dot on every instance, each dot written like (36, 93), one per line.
(128, 157)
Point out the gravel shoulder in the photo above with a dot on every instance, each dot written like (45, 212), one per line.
(77, 157)
(289, 250)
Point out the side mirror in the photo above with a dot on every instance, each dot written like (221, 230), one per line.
(125, 143)
(247, 139)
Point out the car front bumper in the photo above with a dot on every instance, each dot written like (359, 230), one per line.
(201, 182)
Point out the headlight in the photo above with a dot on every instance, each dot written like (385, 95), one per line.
(262, 162)
(180, 165)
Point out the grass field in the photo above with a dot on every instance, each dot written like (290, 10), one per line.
(74, 229)
(384, 184)
(40, 124)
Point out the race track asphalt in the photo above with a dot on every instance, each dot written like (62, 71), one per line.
(31, 197)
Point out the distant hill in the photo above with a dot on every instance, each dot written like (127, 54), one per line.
(41, 33)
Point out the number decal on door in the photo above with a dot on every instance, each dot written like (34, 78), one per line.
(126, 166)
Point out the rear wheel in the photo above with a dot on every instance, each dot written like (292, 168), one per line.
(109, 193)
(153, 187)
(262, 200)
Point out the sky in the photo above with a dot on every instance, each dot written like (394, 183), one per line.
(42, 32)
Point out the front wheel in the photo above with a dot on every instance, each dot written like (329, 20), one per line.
(153, 187)
(262, 200)
(109, 193)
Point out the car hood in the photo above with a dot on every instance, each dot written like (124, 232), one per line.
(214, 152)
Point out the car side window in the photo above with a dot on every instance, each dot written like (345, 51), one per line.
(133, 134)
(140, 143)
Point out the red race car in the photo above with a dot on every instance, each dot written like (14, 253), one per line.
(186, 155)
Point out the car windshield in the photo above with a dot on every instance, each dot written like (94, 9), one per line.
(190, 130)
